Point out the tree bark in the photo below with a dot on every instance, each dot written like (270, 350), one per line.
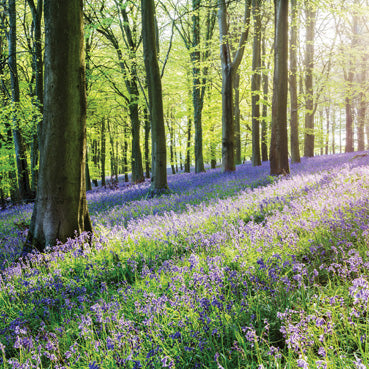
(188, 147)
(171, 143)
(309, 66)
(159, 153)
(256, 83)
(295, 144)
(264, 124)
(229, 68)
(361, 115)
(279, 143)
(103, 152)
(37, 77)
(20, 150)
(136, 156)
(328, 124)
(125, 153)
(237, 118)
(213, 158)
(147, 128)
(198, 100)
(88, 178)
(349, 147)
(61, 209)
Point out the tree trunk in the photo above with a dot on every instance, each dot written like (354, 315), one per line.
(147, 128)
(196, 87)
(113, 155)
(264, 124)
(159, 153)
(279, 143)
(103, 152)
(328, 123)
(213, 159)
(136, 157)
(361, 115)
(61, 207)
(255, 84)
(88, 178)
(171, 144)
(229, 68)
(237, 117)
(228, 162)
(20, 150)
(188, 147)
(334, 130)
(349, 147)
(180, 160)
(37, 77)
(309, 66)
(295, 145)
(125, 154)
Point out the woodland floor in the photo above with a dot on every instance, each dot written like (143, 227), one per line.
(238, 270)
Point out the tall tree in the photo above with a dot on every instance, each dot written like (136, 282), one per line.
(349, 76)
(20, 150)
(256, 83)
(264, 124)
(229, 68)
(103, 151)
(295, 145)
(309, 68)
(61, 207)
(361, 115)
(159, 182)
(237, 119)
(279, 143)
(37, 78)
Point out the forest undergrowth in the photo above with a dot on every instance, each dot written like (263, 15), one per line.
(238, 270)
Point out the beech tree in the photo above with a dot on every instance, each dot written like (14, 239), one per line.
(279, 144)
(37, 79)
(159, 182)
(309, 67)
(264, 124)
(256, 83)
(61, 208)
(295, 145)
(229, 68)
